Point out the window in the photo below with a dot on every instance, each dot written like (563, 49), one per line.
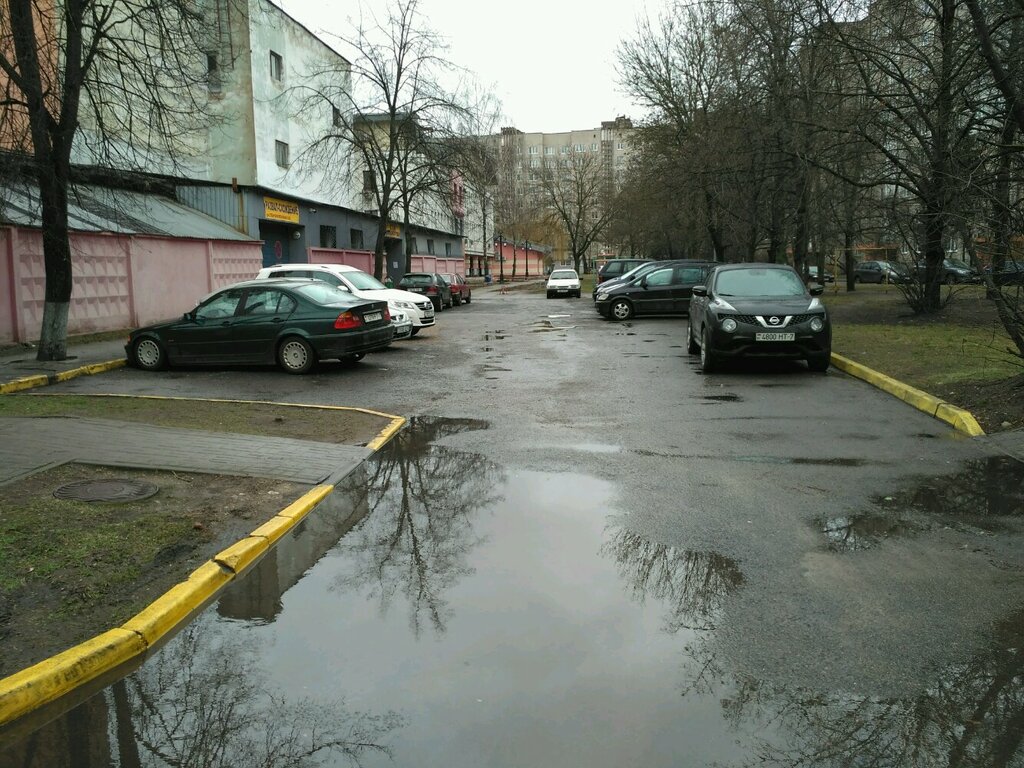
(430, 246)
(355, 237)
(212, 72)
(565, 149)
(447, 249)
(336, 119)
(281, 153)
(594, 147)
(267, 302)
(412, 244)
(369, 181)
(328, 236)
(533, 150)
(535, 163)
(549, 150)
(220, 306)
(619, 145)
(660, 277)
(577, 148)
(276, 67)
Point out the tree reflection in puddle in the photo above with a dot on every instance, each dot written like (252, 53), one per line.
(203, 702)
(972, 716)
(415, 542)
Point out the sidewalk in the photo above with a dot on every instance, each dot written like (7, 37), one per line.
(19, 362)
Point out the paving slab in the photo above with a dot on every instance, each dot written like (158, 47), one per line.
(30, 445)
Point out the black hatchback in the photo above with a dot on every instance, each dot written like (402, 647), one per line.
(431, 285)
(758, 310)
(662, 291)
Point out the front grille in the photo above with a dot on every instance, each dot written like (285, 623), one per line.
(758, 321)
(748, 319)
(424, 305)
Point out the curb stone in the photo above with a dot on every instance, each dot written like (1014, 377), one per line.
(961, 420)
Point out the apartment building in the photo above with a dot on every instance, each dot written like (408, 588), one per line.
(526, 157)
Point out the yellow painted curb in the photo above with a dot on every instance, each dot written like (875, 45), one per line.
(41, 380)
(242, 554)
(299, 508)
(50, 679)
(177, 605)
(18, 385)
(958, 418)
(386, 434)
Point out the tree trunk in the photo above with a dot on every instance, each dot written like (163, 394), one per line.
(53, 336)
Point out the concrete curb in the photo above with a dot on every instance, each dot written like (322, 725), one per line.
(128, 645)
(961, 420)
(41, 380)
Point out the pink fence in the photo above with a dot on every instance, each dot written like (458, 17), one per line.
(120, 281)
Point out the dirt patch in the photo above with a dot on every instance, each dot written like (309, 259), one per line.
(73, 569)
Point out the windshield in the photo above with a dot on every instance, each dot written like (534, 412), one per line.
(364, 282)
(563, 274)
(324, 293)
(759, 282)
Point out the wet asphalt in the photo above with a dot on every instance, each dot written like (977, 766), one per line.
(582, 551)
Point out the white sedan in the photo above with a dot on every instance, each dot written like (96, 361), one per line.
(564, 282)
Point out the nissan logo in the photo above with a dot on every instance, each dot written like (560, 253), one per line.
(774, 320)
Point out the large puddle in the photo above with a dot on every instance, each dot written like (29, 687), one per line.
(441, 610)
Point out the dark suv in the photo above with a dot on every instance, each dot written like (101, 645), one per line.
(617, 267)
(758, 310)
(664, 290)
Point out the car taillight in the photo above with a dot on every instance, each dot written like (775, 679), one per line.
(347, 320)
(387, 316)
(432, 289)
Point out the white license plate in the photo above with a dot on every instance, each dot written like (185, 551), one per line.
(775, 337)
(428, 313)
(372, 317)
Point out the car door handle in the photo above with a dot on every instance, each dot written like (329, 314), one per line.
(277, 320)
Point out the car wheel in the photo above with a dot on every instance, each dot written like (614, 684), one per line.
(621, 309)
(414, 331)
(449, 304)
(148, 354)
(438, 306)
(707, 356)
(469, 297)
(295, 355)
(457, 299)
(819, 363)
(691, 343)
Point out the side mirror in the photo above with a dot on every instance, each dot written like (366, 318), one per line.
(816, 290)
(189, 316)
(700, 290)
(643, 281)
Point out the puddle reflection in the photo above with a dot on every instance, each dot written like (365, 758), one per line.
(203, 701)
(422, 501)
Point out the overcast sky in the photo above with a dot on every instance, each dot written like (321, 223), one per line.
(550, 62)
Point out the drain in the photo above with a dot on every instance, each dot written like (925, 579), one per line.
(114, 489)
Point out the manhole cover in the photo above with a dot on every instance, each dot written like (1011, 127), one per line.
(114, 489)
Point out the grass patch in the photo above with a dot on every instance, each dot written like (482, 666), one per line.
(931, 356)
(319, 424)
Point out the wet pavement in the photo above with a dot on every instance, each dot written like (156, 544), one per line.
(583, 552)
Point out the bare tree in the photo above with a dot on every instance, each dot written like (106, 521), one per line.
(391, 111)
(576, 193)
(121, 84)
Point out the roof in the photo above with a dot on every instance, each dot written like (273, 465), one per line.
(103, 209)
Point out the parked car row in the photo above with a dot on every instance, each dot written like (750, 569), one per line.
(295, 315)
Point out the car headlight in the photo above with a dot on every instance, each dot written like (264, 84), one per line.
(405, 304)
(729, 325)
(602, 296)
(817, 324)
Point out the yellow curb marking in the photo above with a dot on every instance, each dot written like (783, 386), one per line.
(178, 604)
(386, 434)
(960, 419)
(41, 380)
(52, 678)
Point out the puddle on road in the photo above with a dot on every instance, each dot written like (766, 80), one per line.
(723, 398)
(978, 497)
(438, 608)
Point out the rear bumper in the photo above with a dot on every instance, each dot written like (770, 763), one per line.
(337, 346)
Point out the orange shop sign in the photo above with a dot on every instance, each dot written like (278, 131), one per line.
(280, 210)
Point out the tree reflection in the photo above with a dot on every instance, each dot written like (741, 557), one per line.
(973, 717)
(415, 541)
(202, 702)
(692, 584)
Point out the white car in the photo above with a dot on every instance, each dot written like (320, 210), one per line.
(564, 282)
(418, 308)
(402, 325)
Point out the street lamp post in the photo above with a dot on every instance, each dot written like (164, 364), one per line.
(501, 258)
(527, 274)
